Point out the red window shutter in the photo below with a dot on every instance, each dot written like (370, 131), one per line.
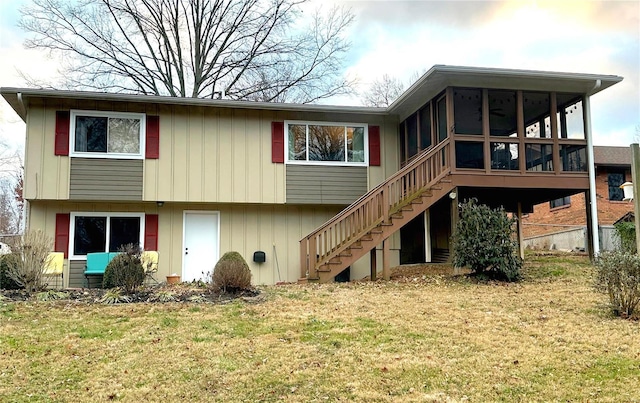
(152, 138)
(151, 232)
(374, 146)
(277, 142)
(62, 233)
(62, 133)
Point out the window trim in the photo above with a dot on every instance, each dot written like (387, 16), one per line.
(72, 229)
(308, 123)
(74, 113)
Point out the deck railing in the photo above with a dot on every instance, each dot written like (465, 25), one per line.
(373, 208)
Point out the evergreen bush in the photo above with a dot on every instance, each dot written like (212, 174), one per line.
(6, 283)
(125, 270)
(626, 236)
(483, 241)
(231, 273)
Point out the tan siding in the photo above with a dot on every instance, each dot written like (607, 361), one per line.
(46, 175)
(274, 229)
(325, 184)
(105, 179)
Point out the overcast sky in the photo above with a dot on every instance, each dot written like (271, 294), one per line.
(405, 38)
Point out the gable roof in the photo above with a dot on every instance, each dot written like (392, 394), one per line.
(426, 87)
(617, 156)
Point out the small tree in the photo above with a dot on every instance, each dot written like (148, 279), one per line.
(618, 275)
(483, 241)
(231, 273)
(125, 270)
(27, 264)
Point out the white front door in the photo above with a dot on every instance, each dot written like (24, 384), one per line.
(201, 244)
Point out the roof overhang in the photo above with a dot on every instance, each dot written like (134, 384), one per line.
(18, 98)
(428, 86)
(440, 77)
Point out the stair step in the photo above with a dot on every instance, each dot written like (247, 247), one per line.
(407, 208)
(417, 201)
(355, 247)
(387, 224)
(436, 187)
(366, 238)
(323, 269)
(445, 180)
(397, 215)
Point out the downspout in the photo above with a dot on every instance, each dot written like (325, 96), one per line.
(25, 204)
(592, 171)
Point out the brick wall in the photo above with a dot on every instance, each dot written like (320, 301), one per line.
(576, 213)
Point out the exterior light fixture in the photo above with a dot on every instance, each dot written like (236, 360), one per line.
(160, 203)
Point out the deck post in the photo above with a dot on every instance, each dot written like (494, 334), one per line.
(374, 264)
(520, 237)
(453, 196)
(386, 274)
(589, 240)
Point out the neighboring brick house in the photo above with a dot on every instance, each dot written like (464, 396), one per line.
(613, 168)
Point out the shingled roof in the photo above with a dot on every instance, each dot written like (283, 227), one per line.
(604, 155)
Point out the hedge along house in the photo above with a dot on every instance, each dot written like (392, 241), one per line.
(194, 178)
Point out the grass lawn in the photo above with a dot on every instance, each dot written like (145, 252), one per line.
(422, 337)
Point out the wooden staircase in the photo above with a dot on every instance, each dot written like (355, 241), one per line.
(375, 216)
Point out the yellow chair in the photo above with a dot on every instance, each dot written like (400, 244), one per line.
(149, 260)
(54, 266)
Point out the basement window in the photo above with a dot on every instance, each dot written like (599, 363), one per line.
(104, 232)
(560, 202)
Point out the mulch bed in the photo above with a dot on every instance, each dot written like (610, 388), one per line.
(185, 293)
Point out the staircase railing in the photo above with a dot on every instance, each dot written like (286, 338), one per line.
(373, 208)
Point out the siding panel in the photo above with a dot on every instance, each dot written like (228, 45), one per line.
(105, 179)
(76, 274)
(325, 184)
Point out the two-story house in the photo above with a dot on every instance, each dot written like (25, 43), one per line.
(317, 188)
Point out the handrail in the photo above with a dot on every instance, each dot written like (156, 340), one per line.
(373, 208)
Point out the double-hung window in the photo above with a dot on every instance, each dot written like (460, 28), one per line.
(104, 232)
(97, 134)
(327, 143)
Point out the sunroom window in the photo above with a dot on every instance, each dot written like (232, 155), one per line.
(106, 134)
(104, 232)
(326, 143)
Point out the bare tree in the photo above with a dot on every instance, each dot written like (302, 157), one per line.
(237, 49)
(382, 92)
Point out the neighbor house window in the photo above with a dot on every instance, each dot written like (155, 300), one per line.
(97, 134)
(562, 201)
(320, 143)
(615, 178)
(104, 232)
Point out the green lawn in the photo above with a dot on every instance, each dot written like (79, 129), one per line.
(423, 337)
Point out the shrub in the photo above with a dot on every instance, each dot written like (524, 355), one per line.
(26, 266)
(6, 283)
(618, 275)
(125, 270)
(231, 273)
(483, 241)
(626, 236)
